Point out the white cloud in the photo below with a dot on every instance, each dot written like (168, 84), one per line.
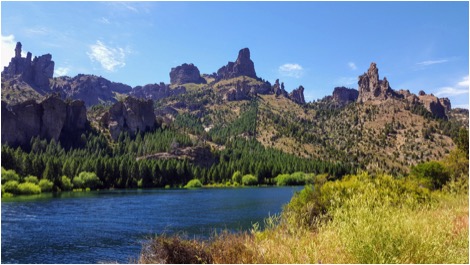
(431, 62)
(464, 82)
(61, 71)
(8, 49)
(110, 58)
(38, 30)
(459, 89)
(291, 70)
(352, 66)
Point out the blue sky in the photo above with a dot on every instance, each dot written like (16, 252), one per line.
(320, 45)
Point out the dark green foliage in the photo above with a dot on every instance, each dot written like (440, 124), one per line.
(462, 140)
(66, 183)
(433, 173)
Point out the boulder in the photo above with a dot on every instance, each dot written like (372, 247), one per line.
(186, 73)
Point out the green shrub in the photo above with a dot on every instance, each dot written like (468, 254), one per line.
(194, 183)
(31, 179)
(9, 175)
(249, 180)
(28, 188)
(86, 180)
(46, 185)
(11, 187)
(6, 195)
(237, 177)
(66, 183)
(431, 172)
(297, 178)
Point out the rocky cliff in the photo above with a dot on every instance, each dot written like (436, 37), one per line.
(35, 72)
(297, 95)
(49, 119)
(186, 73)
(89, 88)
(156, 91)
(131, 115)
(242, 66)
(371, 87)
(343, 96)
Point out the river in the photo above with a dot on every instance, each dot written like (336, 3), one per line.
(110, 226)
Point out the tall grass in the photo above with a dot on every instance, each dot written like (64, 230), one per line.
(360, 219)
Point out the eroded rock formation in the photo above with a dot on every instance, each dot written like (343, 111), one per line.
(131, 115)
(48, 119)
(343, 96)
(36, 72)
(371, 87)
(186, 73)
(156, 91)
(242, 66)
(297, 95)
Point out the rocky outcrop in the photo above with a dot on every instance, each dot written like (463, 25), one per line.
(36, 72)
(89, 88)
(186, 73)
(156, 91)
(49, 119)
(297, 95)
(433, 105)
(131, 115)
(240, 92)
(278, 89)
(342, 96)
(243, 66)
(445, 102)
(371, 87)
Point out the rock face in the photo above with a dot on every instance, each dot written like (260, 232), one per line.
(36, 72)
(371, 87)
(297, 95)
(433, 105)
(445, 102)
(186, 73)
(48, 119)
(89, 88)
(240, 92)
(156, 92)
(343, 96)
(131, 115)
(242, 66)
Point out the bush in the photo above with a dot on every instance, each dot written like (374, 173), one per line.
(433, 173)
(46, 185)
(237, 177)
(249, 180)
(194, 183)
(31, 179)
(66, 183)
(10, 187)
(28, 188)
(9, 175)
(297, 178)
(86, 180)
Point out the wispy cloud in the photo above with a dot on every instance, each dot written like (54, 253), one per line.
(61, 71)
(346, 81)
(352, 65)
(459, 88)
(291, 70)
(431, 62)
(38, 30)
(110, 58)
(104, 21)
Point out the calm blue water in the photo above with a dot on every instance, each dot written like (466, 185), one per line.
(110, 226)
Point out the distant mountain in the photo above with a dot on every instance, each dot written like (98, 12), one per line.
(373, 127)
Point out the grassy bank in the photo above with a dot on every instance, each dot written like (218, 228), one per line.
(359, 219)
